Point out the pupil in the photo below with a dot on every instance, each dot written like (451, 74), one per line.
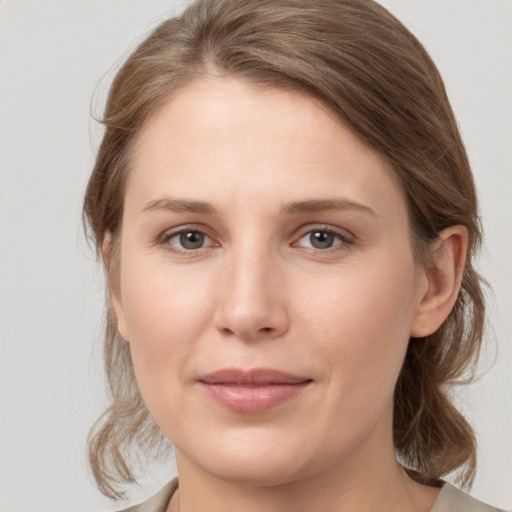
(321, 240)
(192, 240)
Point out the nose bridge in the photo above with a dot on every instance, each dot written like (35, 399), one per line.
(251, 302)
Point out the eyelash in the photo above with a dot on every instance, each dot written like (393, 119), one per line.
(165, 239)
(344, 240)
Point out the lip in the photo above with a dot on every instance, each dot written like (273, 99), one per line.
(252, 391)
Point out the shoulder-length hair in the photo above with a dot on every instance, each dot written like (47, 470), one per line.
(371, 72)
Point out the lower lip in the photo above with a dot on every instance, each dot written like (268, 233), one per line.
(251, 399)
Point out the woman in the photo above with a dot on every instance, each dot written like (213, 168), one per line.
(288, 223)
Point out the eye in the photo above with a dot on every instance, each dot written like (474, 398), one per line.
(322, 239)
(187, 240)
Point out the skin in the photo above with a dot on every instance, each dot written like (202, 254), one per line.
(257, 293)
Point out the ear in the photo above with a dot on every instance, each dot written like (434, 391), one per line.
(444, 277)
(110, 252)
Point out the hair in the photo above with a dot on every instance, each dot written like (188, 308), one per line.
(371, 72)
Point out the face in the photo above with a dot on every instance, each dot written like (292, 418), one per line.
(267, 284)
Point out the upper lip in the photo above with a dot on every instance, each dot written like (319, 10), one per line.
(253, 377)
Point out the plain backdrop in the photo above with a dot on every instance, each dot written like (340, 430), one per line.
(56, 61)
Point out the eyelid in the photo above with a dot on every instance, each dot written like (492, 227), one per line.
(342, 232)
(346, 237)
(170, 233)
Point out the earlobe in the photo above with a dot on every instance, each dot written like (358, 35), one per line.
(120, 318)
(117, 306)
(444, 277)
(110, 255)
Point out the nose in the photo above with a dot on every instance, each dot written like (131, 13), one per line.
(251, 304)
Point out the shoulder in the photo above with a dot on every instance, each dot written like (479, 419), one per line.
(452, 499)
(158, 502)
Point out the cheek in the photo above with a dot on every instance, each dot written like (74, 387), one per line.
(159, 298)
(361, 322)
(166, 314)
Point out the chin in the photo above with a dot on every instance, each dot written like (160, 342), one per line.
(256, 473)
(255, 461)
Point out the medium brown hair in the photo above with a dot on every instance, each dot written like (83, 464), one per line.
(373, 73)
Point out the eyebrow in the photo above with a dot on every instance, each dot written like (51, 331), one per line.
(293, 208)
(180, 205)
(320, 205)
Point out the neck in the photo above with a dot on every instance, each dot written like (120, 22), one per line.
(362, 483)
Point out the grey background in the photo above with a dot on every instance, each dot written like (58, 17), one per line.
(54, 56)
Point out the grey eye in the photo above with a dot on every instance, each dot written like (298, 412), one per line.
(321, 239)
(191, 240)
(187, 240)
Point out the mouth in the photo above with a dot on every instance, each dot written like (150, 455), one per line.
(254, 390)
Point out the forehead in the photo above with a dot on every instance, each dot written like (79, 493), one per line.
(221, 138)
